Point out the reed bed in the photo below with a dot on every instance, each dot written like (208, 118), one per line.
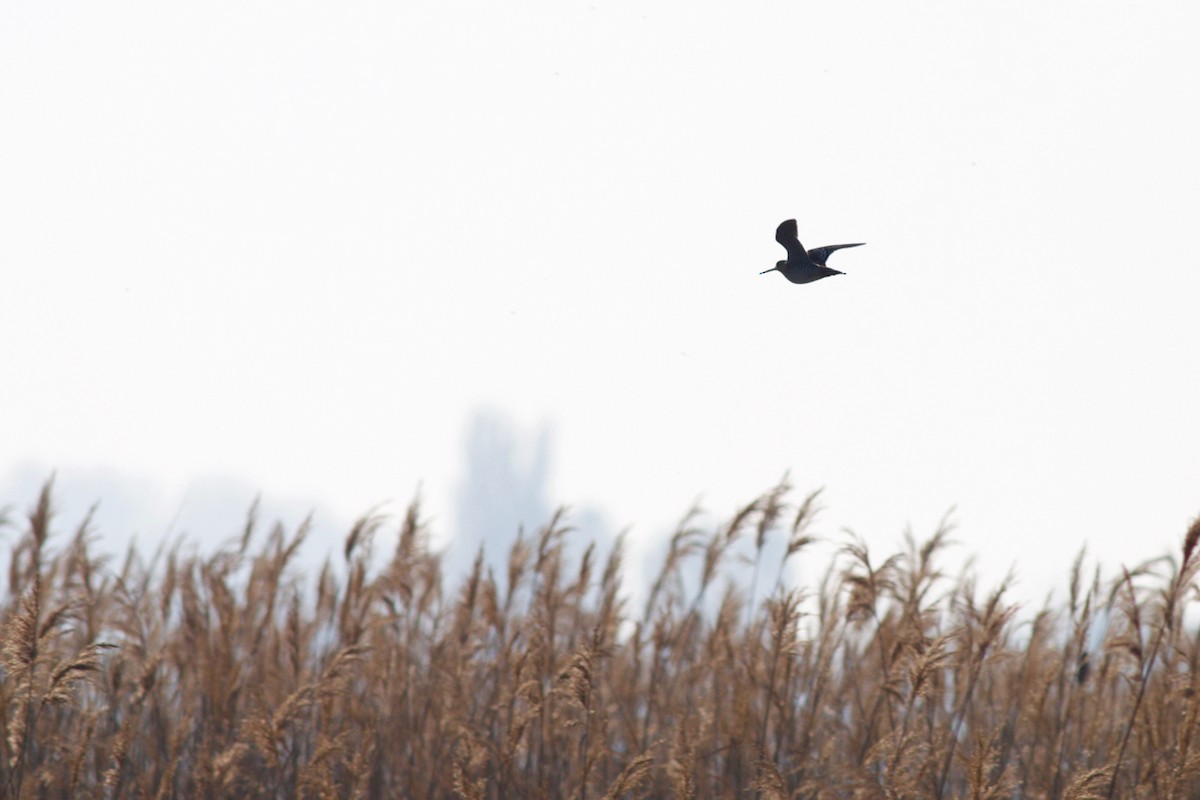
(228, 674)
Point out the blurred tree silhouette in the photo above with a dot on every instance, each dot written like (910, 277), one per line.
(504, 490)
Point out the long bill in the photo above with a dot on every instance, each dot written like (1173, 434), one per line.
(765, 271)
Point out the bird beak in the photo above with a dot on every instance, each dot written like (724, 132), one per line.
(765, 271)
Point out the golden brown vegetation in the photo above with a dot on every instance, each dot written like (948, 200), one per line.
(228, 675)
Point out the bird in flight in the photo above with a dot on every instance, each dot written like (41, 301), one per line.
(803, 266)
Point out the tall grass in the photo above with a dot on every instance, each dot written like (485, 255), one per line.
(229, 674)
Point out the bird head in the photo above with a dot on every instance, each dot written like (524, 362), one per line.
(778, 265)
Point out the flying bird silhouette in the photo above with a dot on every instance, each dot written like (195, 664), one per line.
(804, 266)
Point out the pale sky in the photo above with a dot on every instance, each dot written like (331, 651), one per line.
(298, 247)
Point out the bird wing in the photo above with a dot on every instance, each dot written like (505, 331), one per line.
(786, 235)
(820, 254)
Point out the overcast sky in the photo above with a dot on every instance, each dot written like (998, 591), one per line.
(297, 248)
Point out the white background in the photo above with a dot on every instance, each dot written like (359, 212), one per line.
(296, 248)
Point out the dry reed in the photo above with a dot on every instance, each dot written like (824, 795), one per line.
(228, 674)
